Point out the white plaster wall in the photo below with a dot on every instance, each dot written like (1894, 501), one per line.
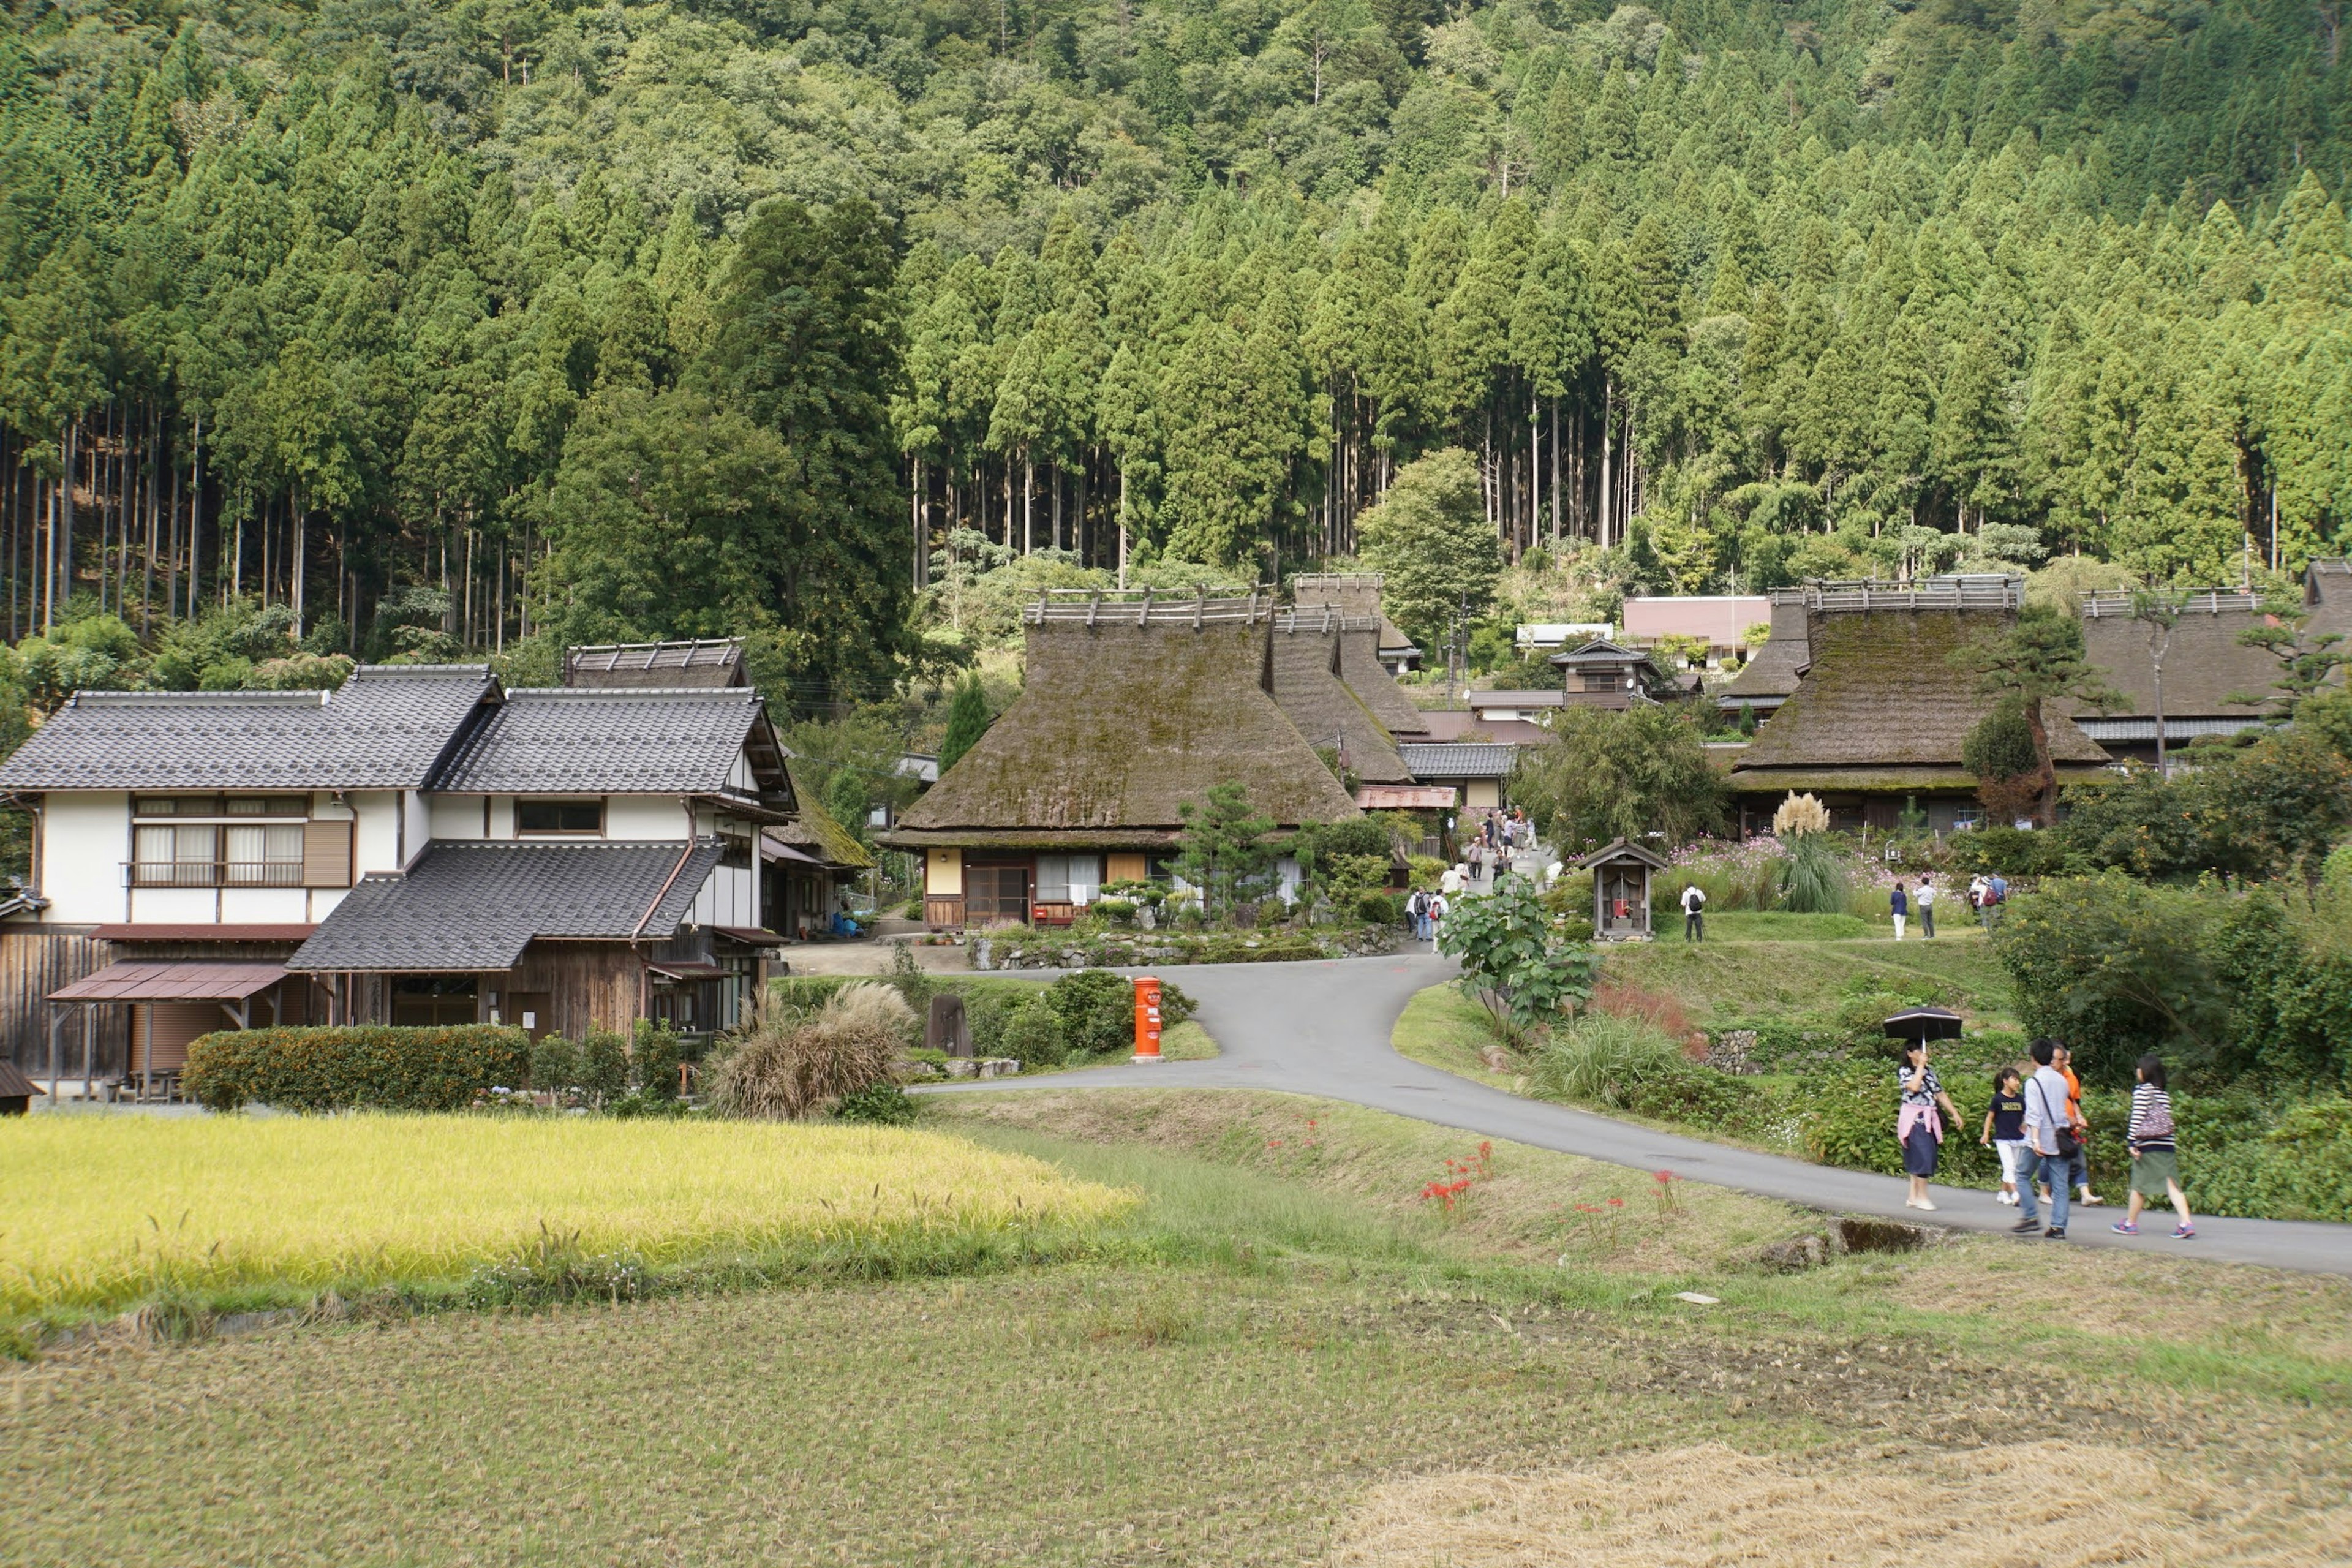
(456, 816)
(644, 817)
(416, 806)
(502, 816)
(182, 906)
(731, 898)
(257, 906)
(375, 843)
(85, 841)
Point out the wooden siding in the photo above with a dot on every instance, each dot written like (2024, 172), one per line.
(589, 984)
(36, 961)
(943, 912)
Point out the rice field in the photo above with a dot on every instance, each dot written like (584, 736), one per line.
(107, 1211)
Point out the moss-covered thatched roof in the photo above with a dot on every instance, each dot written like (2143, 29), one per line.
(2327, 598)
(815, 831)
(1364, 630)
(2203, 664)
(1119, 723)
(1771, 672)
(1321, 706)
(1881, 694)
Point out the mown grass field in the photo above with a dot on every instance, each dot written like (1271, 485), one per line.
(1283, 1353)
(106, 1212)
(1726, 975)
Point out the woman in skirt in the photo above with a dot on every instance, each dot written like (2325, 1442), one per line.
(2154, 1153)
(1918, 1126)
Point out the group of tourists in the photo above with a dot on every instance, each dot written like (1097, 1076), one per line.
(1423, 911)
(1986, 896)
(1493, 840)
(2036, 1125)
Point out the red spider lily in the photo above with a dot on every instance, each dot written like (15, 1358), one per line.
(1586, 1208)
(1616, 1203)
(1663, 1177)
(1273, 1143)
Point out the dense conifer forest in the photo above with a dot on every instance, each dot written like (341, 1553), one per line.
(438, 326)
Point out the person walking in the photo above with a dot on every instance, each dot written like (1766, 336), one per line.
(1902, 908)
(1925, 899)
(1996, 900)
(1917, 1127)
(1416, 913)
(1976, 895)
(2004, 1132)
(1694, 913)
(1436, 919)
(2156, 1161)
(2051, 1139)
(2080, 1165)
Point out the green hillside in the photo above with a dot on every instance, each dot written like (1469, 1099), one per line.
(455, 325)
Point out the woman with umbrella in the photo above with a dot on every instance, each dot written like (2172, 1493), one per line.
(1918, 1126)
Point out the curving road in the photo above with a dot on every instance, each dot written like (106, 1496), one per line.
(1323, 1029)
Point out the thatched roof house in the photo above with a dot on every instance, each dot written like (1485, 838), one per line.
(1880, 715)
(2327, 598)
(1357, 595)
(1309, 685)
(2205, 665)
(1772, 673)
(1132, 706)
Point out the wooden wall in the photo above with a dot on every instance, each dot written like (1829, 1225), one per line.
(592, 985)
(36, 961)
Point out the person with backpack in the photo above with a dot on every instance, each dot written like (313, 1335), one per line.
(1436, 919)
(1901, 907)
(1694, 913)
(2052, 1138)
(1416, 914)
(2156, 1162)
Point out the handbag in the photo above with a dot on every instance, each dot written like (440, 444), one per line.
(2067, 1144)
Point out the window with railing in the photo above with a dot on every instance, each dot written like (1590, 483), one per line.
(221, 854)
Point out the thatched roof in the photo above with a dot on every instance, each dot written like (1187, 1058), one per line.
(714, 661)
(2203, 664)
(1882, 699)
(1307, 685)
(2327, 598)
(1355, 594)
(1772, 671)
(816, 830)
(1121, 721)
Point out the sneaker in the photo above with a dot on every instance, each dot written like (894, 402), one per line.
(2123, 1227)
(2008, 1198)
(1925, 1204)
(2056, 1233)
(2024, 1226)
(2184, 1233)
(2091, 1201)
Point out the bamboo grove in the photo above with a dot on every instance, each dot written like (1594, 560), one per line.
(455, 326)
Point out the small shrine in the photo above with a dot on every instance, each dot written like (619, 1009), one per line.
(1621, 891)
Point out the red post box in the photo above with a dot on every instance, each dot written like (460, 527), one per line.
(1147, 1018)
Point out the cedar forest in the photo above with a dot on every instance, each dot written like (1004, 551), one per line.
(415, 328)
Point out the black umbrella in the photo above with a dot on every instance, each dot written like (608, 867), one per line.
(1924, 1024)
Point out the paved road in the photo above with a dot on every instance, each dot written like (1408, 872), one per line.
(1323, 1029)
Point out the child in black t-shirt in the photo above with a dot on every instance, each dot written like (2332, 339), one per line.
(2004, 1128)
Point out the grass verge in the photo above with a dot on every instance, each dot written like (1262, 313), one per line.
(1744, 978)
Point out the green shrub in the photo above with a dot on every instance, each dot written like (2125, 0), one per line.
(1604, 1059)
(604, 1064)
(349, 1067)
(1849, 1112)
(1381, 908)
(2300, 1168)
(1096, 1010)
(1033, 1034)
(883, 1104)
(2114, 968)
(554, 1063)
(2011, 851)
(654, 1054)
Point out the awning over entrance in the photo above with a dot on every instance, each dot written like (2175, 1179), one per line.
(183, 982)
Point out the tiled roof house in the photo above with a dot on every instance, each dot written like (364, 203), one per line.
(420, 845)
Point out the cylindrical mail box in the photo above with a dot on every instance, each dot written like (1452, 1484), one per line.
(1147, 1018)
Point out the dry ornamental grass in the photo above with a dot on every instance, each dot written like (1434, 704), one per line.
(789, 1064)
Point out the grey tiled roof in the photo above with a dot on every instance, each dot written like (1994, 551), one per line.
(388, 727)
(475, 906)
(1469, 760)
(630, 742)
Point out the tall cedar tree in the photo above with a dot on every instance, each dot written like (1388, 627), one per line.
(808, 346)
(968, 721)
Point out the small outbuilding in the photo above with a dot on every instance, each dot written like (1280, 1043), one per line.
(1621, 891)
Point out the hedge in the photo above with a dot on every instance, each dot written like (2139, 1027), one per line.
(375, 1067)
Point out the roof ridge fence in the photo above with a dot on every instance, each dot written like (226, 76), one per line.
(1321, 618)
(1147, 606)
(1986, 591)
(2108, 602)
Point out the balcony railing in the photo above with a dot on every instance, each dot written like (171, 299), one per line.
(215, 873)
